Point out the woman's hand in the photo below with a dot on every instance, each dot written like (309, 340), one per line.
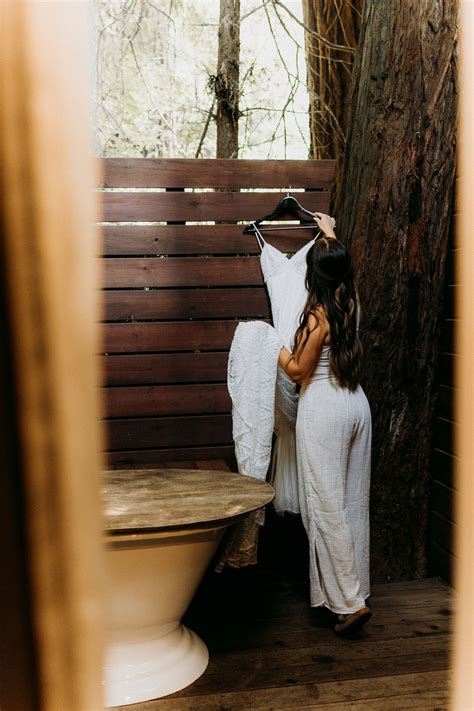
(326, 223)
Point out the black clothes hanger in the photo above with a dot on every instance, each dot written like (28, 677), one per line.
(287, 206)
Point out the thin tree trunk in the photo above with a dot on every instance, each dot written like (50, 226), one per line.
(226, 81)
(330, 24)
(393, 205)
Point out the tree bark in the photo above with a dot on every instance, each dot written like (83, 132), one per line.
(393, 203)
(226, 81)
(329, 70)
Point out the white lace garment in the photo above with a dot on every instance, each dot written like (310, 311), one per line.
(251, 377)
(251, 380)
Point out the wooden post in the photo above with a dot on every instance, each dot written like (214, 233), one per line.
(49, 242)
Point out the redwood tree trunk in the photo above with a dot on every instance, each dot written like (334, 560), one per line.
(393, 206)
(330, 24)
(226, 81)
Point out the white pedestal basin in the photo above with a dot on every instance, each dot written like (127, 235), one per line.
(163, 527)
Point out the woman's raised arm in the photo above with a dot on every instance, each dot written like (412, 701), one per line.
(299, 366)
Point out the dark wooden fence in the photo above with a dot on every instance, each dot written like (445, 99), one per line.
(441, 530)
(175, 291)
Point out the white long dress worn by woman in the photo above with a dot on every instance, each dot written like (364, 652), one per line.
(333, 441)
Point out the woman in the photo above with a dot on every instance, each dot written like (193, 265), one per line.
(333, 432)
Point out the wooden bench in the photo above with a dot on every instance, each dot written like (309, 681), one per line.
(174, 291)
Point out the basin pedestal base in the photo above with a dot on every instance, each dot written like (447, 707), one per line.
(151, 581)
(144, 665)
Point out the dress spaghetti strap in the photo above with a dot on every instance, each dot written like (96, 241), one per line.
(258, 235)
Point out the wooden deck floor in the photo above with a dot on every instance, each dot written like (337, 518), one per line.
(270, 650)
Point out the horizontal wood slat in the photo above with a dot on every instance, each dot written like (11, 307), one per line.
(216, 173)
(197, 207)
(446, 402)
(450, 275)
(442, 500)
(448, 342)
(443, 435)
(122, 240)
(165, 337)
(446, 366)
(170, 304)
(449, 302)
(164, 368)
(192, 431)
(442, 467)
(182, 272)
(149, 457)
(441, 531)
(441, 562)
(144, 401)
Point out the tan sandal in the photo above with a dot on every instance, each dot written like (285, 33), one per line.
(353, 621)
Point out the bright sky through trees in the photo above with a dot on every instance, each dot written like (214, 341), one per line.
(153, 62)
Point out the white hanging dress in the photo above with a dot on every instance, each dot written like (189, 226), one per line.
(285, 281)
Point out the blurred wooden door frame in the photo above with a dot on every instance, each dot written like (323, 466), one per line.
(48, 245)
(16, 641)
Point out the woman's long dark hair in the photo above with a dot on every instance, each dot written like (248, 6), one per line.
(330, 284)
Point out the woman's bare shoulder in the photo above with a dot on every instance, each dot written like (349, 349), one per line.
(318, 318)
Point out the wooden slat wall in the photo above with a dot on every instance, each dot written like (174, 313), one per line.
(441, 533)
(174, 294)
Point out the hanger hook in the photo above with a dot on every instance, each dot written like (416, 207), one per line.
(288, 191)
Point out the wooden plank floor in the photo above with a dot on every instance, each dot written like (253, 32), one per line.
(269, 650)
